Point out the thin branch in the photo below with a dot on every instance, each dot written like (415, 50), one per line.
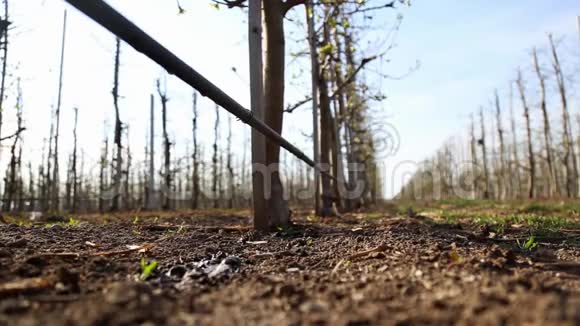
(289, 4)
(231, 3)
(15, 134)
(348, 81)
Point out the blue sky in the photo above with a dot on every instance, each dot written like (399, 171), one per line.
(466, 49)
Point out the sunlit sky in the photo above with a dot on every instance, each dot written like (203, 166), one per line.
(465, 50)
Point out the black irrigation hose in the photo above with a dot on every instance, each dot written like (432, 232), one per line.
(112, 20)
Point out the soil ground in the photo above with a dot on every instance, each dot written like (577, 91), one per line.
(359, 269)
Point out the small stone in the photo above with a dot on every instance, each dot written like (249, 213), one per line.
(69, 279)
(18, 243)
(37, 261)
(5, 253)
(313, 307)
(177, 271)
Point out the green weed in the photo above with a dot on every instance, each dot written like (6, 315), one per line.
(529, 245)
(147, 269)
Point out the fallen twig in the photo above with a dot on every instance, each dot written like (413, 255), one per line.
(141, 248)
(163, 227)
(272, 254)
(570, 230)
(379, 248)
(60, 254)
(26, 285)
(352, 257)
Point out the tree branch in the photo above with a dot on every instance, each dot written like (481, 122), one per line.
(15, 134)
(231, 3)
(362, 10)
(346, 82)
(289, 4)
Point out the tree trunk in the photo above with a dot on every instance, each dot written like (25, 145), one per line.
(229, 167)
(474, 160)
(315, 71)
(486, 191)
(118, 132)
(151, 198)
(502, 163)
(55, 171)
(126, 188)
(74, 164)
(570, 152)
(214, 160)
(259, 201)
(195, 158)
(531, 157)
(274, 103)
(553, 186)
(517, 188)
(167, 180)
(4, 43)
(326, 126)
(102, 177)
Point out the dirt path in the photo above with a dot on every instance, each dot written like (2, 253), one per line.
(352, 272)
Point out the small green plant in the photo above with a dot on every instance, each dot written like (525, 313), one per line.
(73, 222)
(309, 242)
(147, 269)
(529, 245)
(136, 220)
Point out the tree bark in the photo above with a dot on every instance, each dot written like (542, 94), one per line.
(274, 11)
(315, 71)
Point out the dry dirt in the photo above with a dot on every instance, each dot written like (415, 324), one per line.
(343, 271)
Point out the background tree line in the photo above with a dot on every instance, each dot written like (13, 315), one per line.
(524, 145)
(341, 100)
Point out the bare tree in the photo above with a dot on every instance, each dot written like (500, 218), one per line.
(74, 164)
(151, 200)
(4, 26)
(482, 143)
(11, 184)
(570, 153)
(259, 200)
(166, 148)
(102, 173)
(229, 167)
(553, 186)
(313, 45)
(55, 171)
(517, 189)
(502, 163)
(118, 132)
(531, 156)
(214, 160)
(474, 159)
(195, 157)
